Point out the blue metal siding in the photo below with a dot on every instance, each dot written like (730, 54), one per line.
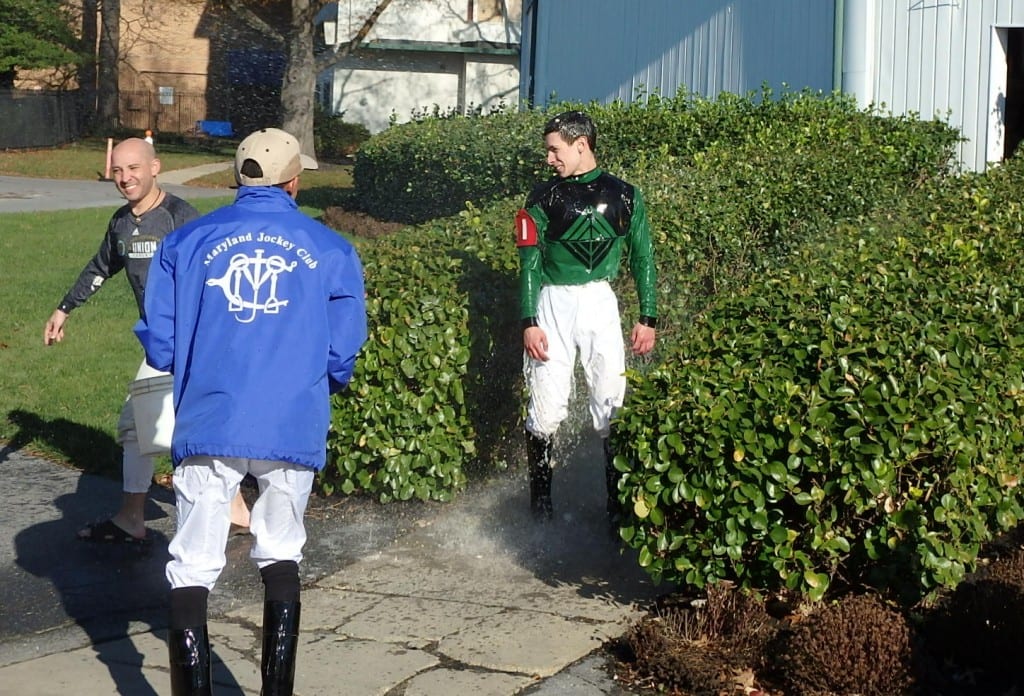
(612, 49)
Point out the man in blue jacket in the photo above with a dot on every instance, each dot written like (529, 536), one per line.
(259, 312)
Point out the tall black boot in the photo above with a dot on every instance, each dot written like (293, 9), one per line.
(189, 651)
(538, 454)
(611, 479)
(280, 644)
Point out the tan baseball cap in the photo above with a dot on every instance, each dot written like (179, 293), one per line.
(277, 152)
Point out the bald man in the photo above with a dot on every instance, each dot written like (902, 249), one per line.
(131, 240)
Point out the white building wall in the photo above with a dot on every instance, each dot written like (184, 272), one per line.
(706, 46)
(491, 85)
(376, 86)
(430, 20)
(944, 59)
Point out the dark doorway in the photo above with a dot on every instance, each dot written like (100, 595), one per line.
(1014, 123)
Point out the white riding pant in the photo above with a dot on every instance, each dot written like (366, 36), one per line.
(583, 319)
(204, 488)
(136, 468)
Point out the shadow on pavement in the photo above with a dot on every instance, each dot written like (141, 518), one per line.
(57, 583)
(93, 450)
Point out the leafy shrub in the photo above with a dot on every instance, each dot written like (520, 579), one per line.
(738, 209)
(334, 138)
(430, 167)
(442, 296)
(858, 645)
(425, 401)
(853, 417)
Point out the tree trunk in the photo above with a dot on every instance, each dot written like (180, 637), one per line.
(299, 86)
(87, 73)
(108, 95)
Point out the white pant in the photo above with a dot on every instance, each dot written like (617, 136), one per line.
(204, 488)
(583, 318)
(136, 468)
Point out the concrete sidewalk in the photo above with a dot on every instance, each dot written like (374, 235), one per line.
(19, 194)
(410, 599)
(181, 177)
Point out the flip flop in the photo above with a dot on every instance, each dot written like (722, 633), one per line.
(106, 532)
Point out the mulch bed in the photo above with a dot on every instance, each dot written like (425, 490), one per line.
(358, 223)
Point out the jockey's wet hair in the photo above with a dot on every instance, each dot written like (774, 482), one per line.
(572, 125)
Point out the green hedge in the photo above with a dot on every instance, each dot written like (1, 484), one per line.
(836, 397)
(739, 208)
(438, 390)
(434, 390)
(431, 167)
(853, 417)
(334, 138)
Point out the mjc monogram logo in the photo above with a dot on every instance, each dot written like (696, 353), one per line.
(250, 284)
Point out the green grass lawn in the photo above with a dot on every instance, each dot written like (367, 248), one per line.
(87, 159)
(63, 401)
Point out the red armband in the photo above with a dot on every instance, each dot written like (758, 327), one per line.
(526, 229)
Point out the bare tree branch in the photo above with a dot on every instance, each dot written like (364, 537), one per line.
(335, 54)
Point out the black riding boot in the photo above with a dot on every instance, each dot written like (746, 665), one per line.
(538, 453)
(611, 479)
(189, 651)
(280, 643)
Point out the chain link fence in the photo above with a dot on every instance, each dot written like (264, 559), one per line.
(38, 118)
(33, 118)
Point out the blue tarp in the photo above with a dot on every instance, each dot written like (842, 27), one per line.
(217, 129)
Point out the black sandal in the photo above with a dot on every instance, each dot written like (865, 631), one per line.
(106, 532)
